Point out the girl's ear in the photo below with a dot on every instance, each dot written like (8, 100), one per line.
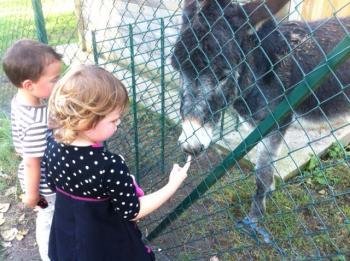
(84, 125)
(27, 85)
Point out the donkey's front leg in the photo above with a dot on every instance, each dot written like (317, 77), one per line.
(267, 153)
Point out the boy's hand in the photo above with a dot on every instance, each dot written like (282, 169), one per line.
(30, 200)
(179, 174)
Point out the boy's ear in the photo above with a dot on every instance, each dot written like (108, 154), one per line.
(27, 85)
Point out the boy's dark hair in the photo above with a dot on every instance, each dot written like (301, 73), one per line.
(27, 59)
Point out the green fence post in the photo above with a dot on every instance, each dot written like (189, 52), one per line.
(134, 103)
(162, 85)
(301, 91)
(39, 21)
(94, 47)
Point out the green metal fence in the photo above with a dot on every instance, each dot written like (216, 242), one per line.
(308, 216)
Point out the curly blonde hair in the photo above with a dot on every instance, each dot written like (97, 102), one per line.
(83, 97)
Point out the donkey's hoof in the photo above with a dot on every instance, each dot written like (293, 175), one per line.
(254, 230)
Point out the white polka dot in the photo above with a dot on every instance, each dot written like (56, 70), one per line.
(75, 148)
(86, 167)
(105, 158)
(56, 179)
(79, 170)
(91, 153)
(76, 185)
(54, 167)
(63, 158)
(114, 161)
(58, 163)
(128, 195)
(126, 184)
(123, 203)
(54, 154)
(63, 171)
(81, 157)
(112, 170)
(125, 212)
(71, 190)
(121, 193)
(96, 162)
(67, 152)
(74, 174)
(94, 177)
(118, 182)
(121, 172)
(68, 178)
(112, 190)
(67, 165)
(86, 181)
(73, 161)
(94, 189)
(114, 199)
(131, 204)
(84, 193)
(108, 180)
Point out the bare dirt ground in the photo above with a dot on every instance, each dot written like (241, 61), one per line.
(20, 226)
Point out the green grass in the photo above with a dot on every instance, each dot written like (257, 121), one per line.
(61, 29)
(8, 159)
(308, 216)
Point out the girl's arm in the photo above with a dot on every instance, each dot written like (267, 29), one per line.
(153, 201)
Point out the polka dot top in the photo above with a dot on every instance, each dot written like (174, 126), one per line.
(91, 173)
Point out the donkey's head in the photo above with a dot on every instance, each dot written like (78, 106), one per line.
(209, 57)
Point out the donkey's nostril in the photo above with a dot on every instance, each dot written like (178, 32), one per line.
(192, 151)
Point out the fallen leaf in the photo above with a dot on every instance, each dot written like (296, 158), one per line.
(9, 235)
(2, 219)
(5, 244)
(322, 192)
(11, 191)
(21, 218)
(21, 233)
(4, 207)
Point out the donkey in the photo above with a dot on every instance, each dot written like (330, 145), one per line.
(240, 55)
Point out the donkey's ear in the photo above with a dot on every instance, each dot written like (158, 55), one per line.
(191, 8)
(261, 11)
(197, 4)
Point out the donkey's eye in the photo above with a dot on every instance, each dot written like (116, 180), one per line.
(222, 79)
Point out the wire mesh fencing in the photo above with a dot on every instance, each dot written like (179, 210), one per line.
(194, 61)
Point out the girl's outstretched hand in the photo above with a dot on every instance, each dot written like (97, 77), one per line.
(179, 174)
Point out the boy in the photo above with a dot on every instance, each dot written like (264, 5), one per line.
(33, 68)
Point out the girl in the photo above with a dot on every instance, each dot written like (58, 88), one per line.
(97, 200)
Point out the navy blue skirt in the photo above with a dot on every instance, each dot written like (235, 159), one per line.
(91, 231)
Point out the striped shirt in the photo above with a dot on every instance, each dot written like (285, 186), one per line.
(29, 134)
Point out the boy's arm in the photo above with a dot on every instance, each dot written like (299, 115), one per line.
(32, 174)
